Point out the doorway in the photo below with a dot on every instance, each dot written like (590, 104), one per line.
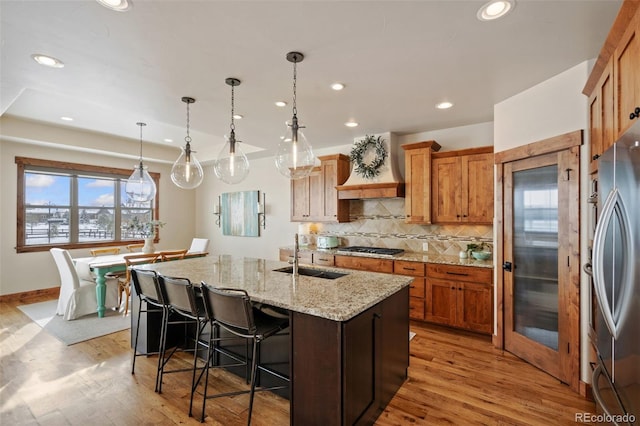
(538, 249)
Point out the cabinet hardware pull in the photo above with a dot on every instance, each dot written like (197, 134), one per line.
(595, 157)
(457, 273)
(453, 288)
(408, 269)
(635, 113)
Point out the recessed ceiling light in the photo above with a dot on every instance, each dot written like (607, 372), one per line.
(337, 86)
(168, 140)
(281, 104)
(117, 5)
(238, 116)
(66, 118)
(48, 61)
(351, 124)
(495, 9)
(444, 105)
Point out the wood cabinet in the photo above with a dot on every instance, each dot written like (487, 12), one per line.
(323, 259)
(462, 186)
(417, 163)
(304, 256)
(460, 296)
(417, 287)
(315, 198)
(601, 122)
(613, 87)
(372, 264)
(626, 77)
(359, 364)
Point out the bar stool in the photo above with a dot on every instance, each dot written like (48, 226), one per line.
(147, 287)
(182, 300)
(232, 310)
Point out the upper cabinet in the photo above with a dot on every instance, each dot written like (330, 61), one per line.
(417, 164)
(626, 77)
(613, 87)
(315, 198)
(462, 186)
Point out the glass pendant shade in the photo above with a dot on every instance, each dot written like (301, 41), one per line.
(187, 172)
(294, 158)
(232, 165)
(140, 186)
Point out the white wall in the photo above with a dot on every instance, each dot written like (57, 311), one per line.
(551, 108)
(279, 231)
(33, 271)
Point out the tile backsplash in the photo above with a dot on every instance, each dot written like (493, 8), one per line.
(380, 223)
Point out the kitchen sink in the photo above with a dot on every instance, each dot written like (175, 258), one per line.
(309, 272)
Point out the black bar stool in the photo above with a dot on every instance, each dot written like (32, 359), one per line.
(147, 287)
(232, 310)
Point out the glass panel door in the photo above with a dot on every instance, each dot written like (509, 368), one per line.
(535, 254)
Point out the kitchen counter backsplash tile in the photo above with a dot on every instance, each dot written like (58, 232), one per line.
(381, 223)
(411, 257)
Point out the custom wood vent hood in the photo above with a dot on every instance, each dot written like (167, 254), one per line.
(386, 185)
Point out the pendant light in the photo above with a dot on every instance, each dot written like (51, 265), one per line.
(186, 171)
(140, 187)
(232, 166)
(294, 158)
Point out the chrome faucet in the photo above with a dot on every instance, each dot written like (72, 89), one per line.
(296, 249)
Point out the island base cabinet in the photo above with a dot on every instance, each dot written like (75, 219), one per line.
(345, 373)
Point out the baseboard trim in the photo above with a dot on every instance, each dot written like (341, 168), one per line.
(585, 390)
(27, 295)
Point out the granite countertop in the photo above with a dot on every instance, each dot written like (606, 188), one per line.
(409, 257)
(338, 299)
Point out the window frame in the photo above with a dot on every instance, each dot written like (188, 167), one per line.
(25, 164)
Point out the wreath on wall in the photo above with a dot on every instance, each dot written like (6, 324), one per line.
(372, 169)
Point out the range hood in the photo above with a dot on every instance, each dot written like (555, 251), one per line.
(386, 185)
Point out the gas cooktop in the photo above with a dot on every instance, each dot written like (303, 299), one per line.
(369, 251)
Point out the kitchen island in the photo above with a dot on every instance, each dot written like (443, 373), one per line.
(348, 342)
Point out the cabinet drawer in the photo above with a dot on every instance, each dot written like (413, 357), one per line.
(303, 256)
(460, 273)
(323, 259)
(416, 289)
(416, 308)
(364, 263)
(414, 269)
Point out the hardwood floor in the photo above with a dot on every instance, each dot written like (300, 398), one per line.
(454, 378)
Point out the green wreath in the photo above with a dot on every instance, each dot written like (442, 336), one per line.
(372, 169)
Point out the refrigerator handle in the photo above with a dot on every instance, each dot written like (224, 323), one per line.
(598, 259)
(596, 391)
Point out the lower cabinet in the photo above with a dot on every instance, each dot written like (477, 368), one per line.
(460, 296)
(417, 287)
(359, 364)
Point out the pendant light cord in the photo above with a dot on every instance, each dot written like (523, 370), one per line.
(233, 126)
(140, 124)
(187, 138)
(295, 77)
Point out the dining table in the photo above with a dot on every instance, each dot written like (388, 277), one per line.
(103, 265)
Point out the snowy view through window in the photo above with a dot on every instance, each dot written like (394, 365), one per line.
(61, 209)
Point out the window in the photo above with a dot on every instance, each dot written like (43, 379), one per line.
(76, 205)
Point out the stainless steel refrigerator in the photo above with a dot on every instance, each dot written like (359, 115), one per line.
(616, 275)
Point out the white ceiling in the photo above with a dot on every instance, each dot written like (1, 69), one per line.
(396, 58)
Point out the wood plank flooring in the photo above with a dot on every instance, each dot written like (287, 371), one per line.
(455, 378)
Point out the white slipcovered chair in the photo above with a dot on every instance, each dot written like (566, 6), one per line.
(78, 288)
(198, 245)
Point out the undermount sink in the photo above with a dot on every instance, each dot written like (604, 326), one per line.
(309, 272)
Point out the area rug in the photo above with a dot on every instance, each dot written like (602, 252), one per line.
(76, 331)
